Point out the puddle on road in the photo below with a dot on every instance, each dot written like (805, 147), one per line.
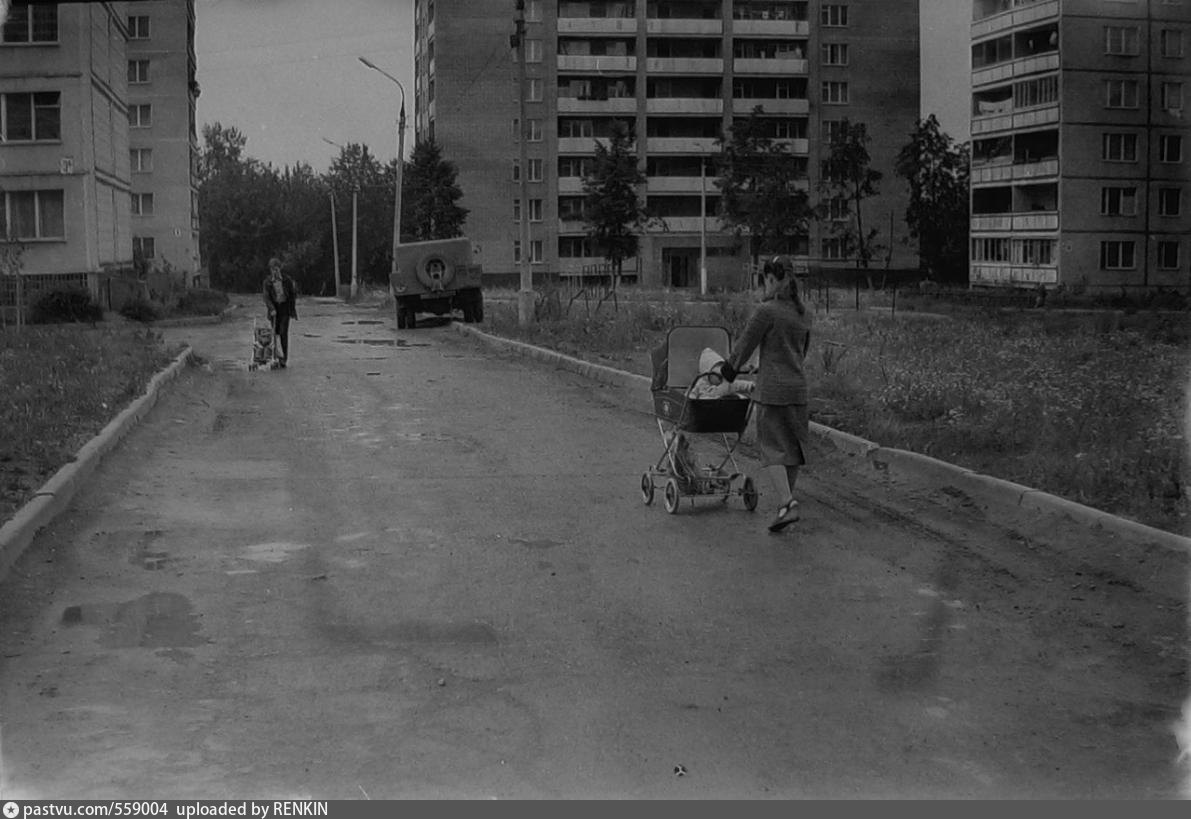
(156, 620)
(380, 342)
(276, 552)
(538, 543)
(364, 321)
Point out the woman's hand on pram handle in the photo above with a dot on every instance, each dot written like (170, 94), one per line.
(728, 372)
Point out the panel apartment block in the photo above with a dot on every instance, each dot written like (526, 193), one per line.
(64, 176)
(163, 141)
(678, 72)
(1079, 143)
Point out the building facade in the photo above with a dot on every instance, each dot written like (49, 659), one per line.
(1079, 144)
(163, 139)
(64, 175)
(678, 72)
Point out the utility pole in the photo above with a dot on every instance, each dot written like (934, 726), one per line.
(334, 246)
(525, 297)
(355, 253)
(703, 226)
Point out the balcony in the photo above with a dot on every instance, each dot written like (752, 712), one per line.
(1011, 222)
(1015, 68)
(771, 28)
(684, 105)
(596, 62)
(791, 105)
(1009, 14)
(777, 65)
(687, 224)
(679, 145)
(687, 27)
(1028, 118)
(1008, 172)
(797, 147)
(597, 25)
(1011, 274)
(682, 184)
(683, 65)
(616, 105)
(570, 185)
(579, 145)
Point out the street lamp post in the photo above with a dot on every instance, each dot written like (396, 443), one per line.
(334, 229)
(400, 167)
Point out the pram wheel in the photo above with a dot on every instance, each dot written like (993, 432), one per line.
(647, 488)
(670, 495)
(748, 493)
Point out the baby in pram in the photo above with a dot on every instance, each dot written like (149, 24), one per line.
(714, 386)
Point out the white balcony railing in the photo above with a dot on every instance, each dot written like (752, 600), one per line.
(772, 65)
(617, 105)
(771, 28)
(1005, 222)
(772, 106)
(1010, 15)
(597, 25)
(684, 105)
(687, 27)
(579, 145)
(596, 63)
(681, 145)
(984, 273)
(684, 65)
(686, 224)
(682, 184)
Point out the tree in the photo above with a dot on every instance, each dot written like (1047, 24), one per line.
(357, 170)
(937, 170)
(760, 194)
(430, 196)
(849, 179)
(613, 211)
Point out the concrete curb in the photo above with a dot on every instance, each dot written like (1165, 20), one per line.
(55, 495)
(983, 489)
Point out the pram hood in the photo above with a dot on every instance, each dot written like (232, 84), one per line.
(676, 360)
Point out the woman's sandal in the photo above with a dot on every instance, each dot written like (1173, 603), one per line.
(787, 514)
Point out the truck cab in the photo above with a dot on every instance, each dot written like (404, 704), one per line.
(438, 277)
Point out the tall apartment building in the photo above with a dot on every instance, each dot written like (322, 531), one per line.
(678, 72)
(163, 140)
(64, 177)
(1080, 143)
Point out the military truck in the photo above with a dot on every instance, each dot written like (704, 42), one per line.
(438, 277)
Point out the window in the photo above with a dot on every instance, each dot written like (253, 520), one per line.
(533, 11)
(1172, 96)
(142, 204)
(1170, 148)
(535, 251)
(144, 246)
(571, 208)
(1168, 255)
(835, 54)
(516, 170)
(834, 14)
(1118, 201)
(140, 159)
(140, 116)
(535, 130)
(535, 170)
(574, 247)
(31, 23)
(1170, 201)
(990, 250)
(27, 215)
(1036, 251)
(1041, 91)
(138, 27)
(533, 51)
(1116, 255)
(516, 210)
(835, 93)
(1172, 43)
(535, 210)
(1122, 41)
(33, 117)
(830, 129)
(534, 92)
(574, 165)
(1120, 93)
(833, 248)
(575, 128)
(1119, 147)
(138, 71)
(837, 209)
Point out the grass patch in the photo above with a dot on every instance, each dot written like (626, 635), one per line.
(59, 386)
(1088, 408)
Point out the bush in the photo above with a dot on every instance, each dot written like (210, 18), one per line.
(141, 310)
(59, 306)
(202, 302)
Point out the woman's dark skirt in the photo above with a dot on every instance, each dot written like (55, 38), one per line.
(783, 433)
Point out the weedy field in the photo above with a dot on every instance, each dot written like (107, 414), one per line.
(1091, 406)
(59, 386)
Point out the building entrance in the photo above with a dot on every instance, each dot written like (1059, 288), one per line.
(681, 266)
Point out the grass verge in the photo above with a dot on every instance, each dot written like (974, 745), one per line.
(1089, 409)
(59, 386)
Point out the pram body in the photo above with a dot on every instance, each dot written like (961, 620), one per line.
(681, 417)
(264, 347)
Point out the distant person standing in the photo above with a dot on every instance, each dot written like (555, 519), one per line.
(281, 300)
(781, 327)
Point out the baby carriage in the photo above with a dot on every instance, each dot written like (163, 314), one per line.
(264, 347)
(681, 417)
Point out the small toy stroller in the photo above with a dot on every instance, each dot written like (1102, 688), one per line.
(264, 347)
(679, 417)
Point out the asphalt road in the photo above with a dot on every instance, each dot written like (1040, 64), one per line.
(411, 567)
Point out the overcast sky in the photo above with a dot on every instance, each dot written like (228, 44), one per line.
(286, 72)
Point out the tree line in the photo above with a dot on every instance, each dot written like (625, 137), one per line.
(250, 211)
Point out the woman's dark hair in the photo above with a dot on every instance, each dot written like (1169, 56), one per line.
(777, 269)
